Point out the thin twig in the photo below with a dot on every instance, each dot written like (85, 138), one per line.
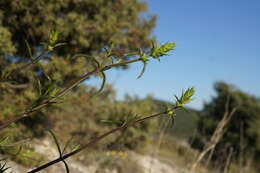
(94, 141)
(62, 93)
(217, 134)
(29, 63)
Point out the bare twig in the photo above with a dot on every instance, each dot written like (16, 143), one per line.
(228, 161)
(217, 135)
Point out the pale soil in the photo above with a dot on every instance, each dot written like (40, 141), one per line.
(150, 164)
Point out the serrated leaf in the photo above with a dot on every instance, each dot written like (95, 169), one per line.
(187, 95)
(161, 50)
(185, 98)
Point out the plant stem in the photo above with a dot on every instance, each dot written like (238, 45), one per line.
(94, 141)
(29, 63)
(63, 92)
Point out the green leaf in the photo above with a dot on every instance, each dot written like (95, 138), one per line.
(59, 45)
(109, 50)
(144, 59)
(161, 50)
(67, 145)
(59, 150)
(92, 59)
(54, 35)
(185, 98)
(29, 50)
(103, 82)
(113, 122)
(56, 142)
(143, 69)
(131, 118)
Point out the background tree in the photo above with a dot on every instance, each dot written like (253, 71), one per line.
(85, 26)
(242, 124)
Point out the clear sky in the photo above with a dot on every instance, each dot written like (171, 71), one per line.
(216, 40)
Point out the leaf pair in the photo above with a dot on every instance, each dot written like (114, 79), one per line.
(62, 152)
(156, 52)
(185, 98)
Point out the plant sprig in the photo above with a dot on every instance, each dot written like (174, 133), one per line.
(48, 93)
(131, 120)
(61, 152)
(155, 52)
(158, 51)
(185, 98)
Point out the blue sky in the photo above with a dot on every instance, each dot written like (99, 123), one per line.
(216, 40)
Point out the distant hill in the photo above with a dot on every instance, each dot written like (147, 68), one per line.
(185, 122)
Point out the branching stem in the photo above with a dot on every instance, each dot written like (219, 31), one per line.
(63, 92)
(94, 141)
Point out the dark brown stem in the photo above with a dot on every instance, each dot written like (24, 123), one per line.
(94, 141)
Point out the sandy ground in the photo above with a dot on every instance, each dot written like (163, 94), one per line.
(149, 163)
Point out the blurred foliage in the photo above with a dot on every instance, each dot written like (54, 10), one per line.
(86, 27)
(16, 144)
(91, 116)
(89, 28)
(185, 124)
(119, 161)
(244, 125)
(186, 120)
